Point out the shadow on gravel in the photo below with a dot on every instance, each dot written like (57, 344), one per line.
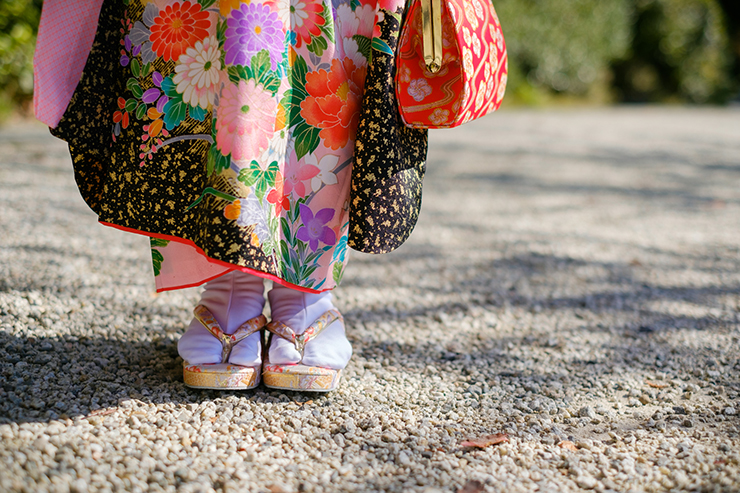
(683, 191)
(530, 281)
(620, 327)
(620, 371)
(52, 378)
(89, 377)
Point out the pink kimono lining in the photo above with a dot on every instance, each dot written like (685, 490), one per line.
(186, 265)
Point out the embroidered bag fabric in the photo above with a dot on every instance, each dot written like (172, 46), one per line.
(452, 68)
(389, 157)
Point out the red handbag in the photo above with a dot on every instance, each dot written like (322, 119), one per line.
(451, 63)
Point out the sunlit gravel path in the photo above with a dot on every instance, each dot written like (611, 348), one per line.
(573, 282)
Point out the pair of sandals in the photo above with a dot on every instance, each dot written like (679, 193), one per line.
(228, 376)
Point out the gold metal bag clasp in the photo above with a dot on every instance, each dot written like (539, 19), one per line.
(431, 25)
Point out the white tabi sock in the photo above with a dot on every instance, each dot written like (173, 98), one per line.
(233, 299)
(298, 310)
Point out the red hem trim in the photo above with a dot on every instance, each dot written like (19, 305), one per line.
(191, 285)
(231, 267)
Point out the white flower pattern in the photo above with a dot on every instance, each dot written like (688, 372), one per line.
(198, 73)
(325, 176)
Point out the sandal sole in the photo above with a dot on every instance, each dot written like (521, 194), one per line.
(221, 376)
(300, 377)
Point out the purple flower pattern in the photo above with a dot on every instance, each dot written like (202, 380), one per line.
(314, 227)
(128, 51)
(163, 99)
(251, 29)
(150, 95)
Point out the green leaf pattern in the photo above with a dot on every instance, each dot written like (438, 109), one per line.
(157, 257)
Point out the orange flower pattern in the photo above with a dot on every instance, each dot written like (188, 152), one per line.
(178, 27)
(334, 101)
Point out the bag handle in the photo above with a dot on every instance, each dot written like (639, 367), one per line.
(431, 25)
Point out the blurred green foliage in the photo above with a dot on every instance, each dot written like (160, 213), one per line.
(619, 50)
(680, 49)
(18, 25)
(562, 46)
(597, 50)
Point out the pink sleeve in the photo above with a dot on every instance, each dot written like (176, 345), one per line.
(66, 34)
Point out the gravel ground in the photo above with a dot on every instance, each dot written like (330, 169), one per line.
(574, 283)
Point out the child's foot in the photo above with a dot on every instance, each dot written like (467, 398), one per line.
(233, 299)
(298, 310)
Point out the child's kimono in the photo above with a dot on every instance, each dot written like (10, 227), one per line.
(222, 130)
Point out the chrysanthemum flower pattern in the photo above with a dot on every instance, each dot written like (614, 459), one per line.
(198, 73)
(226, 6)
(178, 26)
(253, 28)
(282, 8)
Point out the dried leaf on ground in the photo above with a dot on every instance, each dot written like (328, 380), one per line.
(101, 412)
(486, 441)
(568, 445)
(471, 486)
(656, 385)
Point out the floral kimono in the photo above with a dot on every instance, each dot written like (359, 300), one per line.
(222, 130)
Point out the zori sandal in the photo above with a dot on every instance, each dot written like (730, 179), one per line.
(299, 376)
(223, 376)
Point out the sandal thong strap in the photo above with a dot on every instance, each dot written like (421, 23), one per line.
(228, 341)
(280, 329)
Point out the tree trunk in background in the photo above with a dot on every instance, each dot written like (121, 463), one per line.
(732, 11)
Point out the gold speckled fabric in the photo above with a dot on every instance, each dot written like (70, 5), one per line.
(155, 197)
(385, 196)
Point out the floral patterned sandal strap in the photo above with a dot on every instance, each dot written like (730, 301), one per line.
(228, 341)
(280, 329)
